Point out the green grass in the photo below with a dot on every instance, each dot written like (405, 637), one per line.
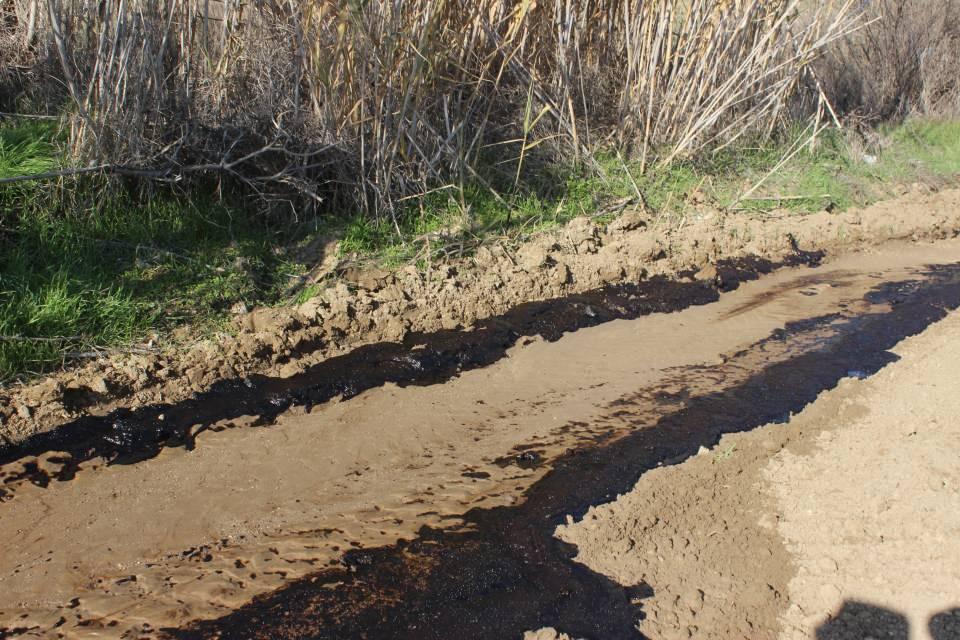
(842, 172)
(446, 216)
(87, 263)
(28, 149)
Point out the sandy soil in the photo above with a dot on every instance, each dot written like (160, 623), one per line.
(364, 307)
(842, 524)
(194, 534)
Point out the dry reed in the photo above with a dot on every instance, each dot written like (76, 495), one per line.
(355, 103)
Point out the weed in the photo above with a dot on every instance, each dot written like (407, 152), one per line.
(726, 453)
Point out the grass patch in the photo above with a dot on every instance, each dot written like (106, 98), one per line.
(836, 173)
(85, 264)
(844, 171)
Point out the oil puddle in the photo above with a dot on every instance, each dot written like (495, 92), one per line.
(502, 572)
(130, 436)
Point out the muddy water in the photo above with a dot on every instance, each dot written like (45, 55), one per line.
(475, 471)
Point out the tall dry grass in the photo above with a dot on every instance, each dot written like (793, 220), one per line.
(357, 103)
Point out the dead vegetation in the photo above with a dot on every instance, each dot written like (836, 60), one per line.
(338, 103)
(901, 61)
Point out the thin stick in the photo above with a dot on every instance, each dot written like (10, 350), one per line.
(28, 116)
(27, 339)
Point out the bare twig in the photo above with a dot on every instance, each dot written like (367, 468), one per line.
(28, 116)
(56, 339)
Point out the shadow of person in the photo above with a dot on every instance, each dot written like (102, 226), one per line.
(946, 625)
(859, 621)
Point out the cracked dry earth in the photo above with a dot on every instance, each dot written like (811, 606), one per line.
(426, 507)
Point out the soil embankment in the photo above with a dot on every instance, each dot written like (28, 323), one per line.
(293, 529)
(372, 307)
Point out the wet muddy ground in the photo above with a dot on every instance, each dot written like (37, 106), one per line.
(413, 490)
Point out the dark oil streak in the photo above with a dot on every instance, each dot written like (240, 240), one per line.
(128, 436)
(503, 572)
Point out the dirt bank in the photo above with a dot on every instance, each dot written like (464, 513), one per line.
(842, 523)
(373, 306)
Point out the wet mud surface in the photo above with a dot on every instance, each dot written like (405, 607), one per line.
(501, 572)
(128, 436)
(466, 447)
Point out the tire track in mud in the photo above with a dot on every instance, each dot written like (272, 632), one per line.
(127, 436)
(502, 572)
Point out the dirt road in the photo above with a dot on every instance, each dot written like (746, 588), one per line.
(843, 523)
(418, 496)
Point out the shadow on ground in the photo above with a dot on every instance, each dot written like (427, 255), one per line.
(860, 621)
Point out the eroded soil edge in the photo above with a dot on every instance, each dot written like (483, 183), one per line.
(126, 436)
(371, 307)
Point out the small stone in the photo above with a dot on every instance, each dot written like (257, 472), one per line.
(532, 256)
(610, 273)
(291, 369)
(628, 221)
(99, 385)
(547, 633)
(372, 279)
(24, 411)
(310, 309)
(560, 275)
(195, 377)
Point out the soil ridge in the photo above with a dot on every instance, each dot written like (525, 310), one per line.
(377, 306)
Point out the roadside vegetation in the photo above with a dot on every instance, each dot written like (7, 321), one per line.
(206, 167)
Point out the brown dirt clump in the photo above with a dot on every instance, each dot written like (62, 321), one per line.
(376, 306)
(842, 523)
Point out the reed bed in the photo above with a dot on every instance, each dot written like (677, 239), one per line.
(354, 104)
(902, 61)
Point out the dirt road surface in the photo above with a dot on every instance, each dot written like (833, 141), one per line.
(847, 517)
(418, 497)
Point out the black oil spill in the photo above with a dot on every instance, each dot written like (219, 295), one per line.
(503, 572)
(128, 436)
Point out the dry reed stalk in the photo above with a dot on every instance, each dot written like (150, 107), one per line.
(903, 61)
(341, 103)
